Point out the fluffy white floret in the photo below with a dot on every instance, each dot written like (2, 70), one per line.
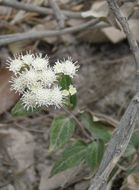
(58, 67)
(43, 96)
(29, 100)
(18, 84)
(57, 97)
(28, 58)
(47, 77)
(66, 67)
(29, 77)
(40, 63)
(15, 65)
(69, 68)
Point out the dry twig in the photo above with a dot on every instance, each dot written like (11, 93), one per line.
(37, 9)
(7, 39)
(117, 145)
(124, 131)
(126, 28)
(57, 12)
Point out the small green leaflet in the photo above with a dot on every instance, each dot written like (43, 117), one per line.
(65, 82)
(97, 129)
(133, 146)
(73, 101)
(130, 151)
(72, 156)
(19, 110)
(133, 170)
(61, 131)
(135, 141)
(94, 154)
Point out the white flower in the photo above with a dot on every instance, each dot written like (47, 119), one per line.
(40, 63)
(29, 100)
(69, 68)
(65, 92)
(38, 82)
(28, 58)
(72, 90)
(57, 97)
(15, 65)
(18, 84)
(29, 77)
(66, 67)
(47, 77)
(58, 67)
(43, 96)
(38, 97)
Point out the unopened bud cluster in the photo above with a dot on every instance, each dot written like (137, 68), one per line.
(38, 82)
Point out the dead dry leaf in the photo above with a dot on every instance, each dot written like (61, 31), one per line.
(134, 26)
(20, 147)
(77, 7)
(83, 185)
(128, 8)
(19, 46)
(62, 179)
(113, 34)
(19, 16)
(4, 10)
(74, 22)
(38, 2)
(93, 36)
(131, 183)
(8, 98)
(68, 39)
(99, 9)
(48, 25)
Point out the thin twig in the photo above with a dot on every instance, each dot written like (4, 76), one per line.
(57, 12)
(126, 28)
(124, 131)
(117, 145)
(7, 39)
(37, 9)
(28, 129)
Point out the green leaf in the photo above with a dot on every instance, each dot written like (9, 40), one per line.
(65, 82)
(132, 147)
(100, 131)
(94, 154)
(19, 110)
(72, 156)
(135, 141)
(130, 150)
(73, 101)
(133, 170)
(97, 129)
(87, 120)
(61, 131)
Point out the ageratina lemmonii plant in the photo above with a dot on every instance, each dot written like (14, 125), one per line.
(38, 82)
(41, 84)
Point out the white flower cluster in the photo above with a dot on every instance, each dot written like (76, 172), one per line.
(66, 67)
(37, 82)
